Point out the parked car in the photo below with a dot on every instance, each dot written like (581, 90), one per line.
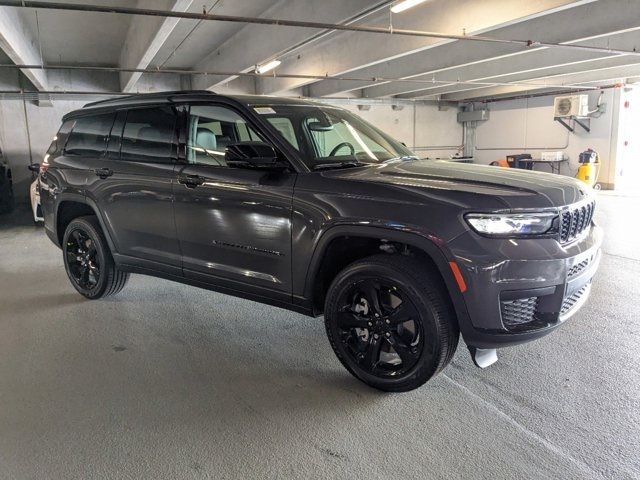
(6, 187)
(307, 207)
(34, 195)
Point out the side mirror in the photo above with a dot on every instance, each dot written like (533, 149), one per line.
(34, 167)
(252, 154)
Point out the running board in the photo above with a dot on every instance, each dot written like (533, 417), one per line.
(483, 357)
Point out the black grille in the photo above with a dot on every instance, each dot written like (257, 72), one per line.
(575, 221)
(570, 301)
(577, 268)
(517, 313)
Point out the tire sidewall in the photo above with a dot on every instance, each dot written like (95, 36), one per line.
(428, 362)
(101, 252)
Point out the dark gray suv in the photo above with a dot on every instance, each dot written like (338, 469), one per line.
(307, 207)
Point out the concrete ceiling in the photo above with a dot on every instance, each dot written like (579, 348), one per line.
(437, 69)
(78, 37)
(191, 41)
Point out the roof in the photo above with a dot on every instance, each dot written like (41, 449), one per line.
(181, 96)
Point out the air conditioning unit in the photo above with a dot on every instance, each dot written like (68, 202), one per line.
(571, 106)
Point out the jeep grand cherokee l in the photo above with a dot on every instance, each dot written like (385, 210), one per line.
(308, 207)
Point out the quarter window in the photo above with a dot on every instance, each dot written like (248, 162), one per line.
(148, 135)
(89, 135)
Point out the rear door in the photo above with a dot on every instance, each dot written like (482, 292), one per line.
(132, 184)
(234, 224)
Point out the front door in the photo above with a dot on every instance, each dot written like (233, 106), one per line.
(233, 224)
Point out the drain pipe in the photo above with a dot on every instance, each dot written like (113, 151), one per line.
(469, 133)
(26, 122)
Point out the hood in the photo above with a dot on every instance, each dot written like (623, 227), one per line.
(511, 188)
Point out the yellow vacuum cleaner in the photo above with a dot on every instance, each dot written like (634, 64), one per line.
(589, 168)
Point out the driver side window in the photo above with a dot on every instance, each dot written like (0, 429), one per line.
(211, 129)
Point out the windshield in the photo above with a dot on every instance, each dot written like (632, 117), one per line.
(325, 135)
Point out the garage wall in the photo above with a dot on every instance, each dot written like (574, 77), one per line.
(628, 148)
(527, 126)
(428, 130)
(43, 120)
(43, 123)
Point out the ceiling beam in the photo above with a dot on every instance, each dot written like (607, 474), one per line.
(539, 60)
(267, 44)
(575, 24)
(251, 75)
(553, 79)
(603, 76)
(513, 69)
(364, 51)
(20, 45)
(145, 38)
(388, 30)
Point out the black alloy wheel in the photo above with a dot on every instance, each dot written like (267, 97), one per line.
(380, 327)
(88, 260)
(390, 321)
(82, 258)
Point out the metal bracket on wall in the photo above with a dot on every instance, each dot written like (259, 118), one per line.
(585, 123)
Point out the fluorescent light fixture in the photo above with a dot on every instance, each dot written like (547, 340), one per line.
(268, 66)
(405, 5)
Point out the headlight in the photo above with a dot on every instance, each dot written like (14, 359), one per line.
(507, 224)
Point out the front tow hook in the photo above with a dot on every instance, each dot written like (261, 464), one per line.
(483, 357)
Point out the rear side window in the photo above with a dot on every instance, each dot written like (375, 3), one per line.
(113, 145)
(148, 135)
(60, 138)
(89, 135)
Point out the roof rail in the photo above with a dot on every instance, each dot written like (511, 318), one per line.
(135, 96)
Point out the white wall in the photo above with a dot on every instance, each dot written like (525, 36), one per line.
(425, 129)
(627, 169)
(527, 126)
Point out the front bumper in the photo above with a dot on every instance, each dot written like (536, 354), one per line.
(522, 289)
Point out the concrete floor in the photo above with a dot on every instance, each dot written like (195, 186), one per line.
(168, 381)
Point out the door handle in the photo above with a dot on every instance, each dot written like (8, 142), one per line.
(103, 172)
(190, 181)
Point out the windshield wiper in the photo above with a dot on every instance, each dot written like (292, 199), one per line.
(327, 166)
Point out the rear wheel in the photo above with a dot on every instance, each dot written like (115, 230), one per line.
(88, 261)
(390, 322)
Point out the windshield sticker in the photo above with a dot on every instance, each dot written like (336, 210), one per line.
(264, 110)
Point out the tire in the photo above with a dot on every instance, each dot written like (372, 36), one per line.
(87, 257)
(415, 319)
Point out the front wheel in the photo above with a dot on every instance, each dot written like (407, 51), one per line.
(390, 322)
(88, 261)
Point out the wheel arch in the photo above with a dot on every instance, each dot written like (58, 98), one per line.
(71, 206)
(427, 246)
